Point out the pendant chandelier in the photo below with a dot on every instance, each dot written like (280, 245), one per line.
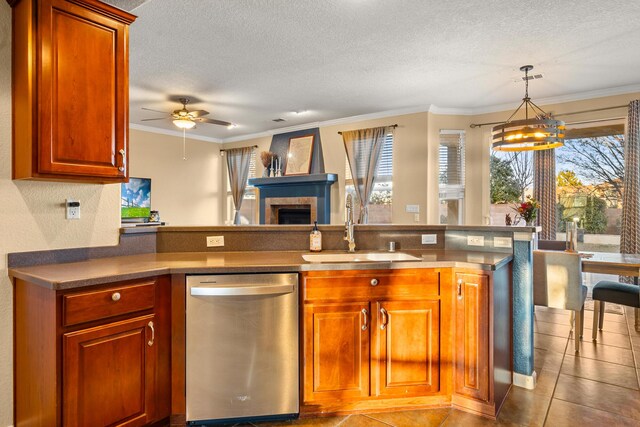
(538, 132)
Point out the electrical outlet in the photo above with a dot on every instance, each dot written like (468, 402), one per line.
(215, 241)
(502, 242)
(416, 217)
(412, 208)
(72, 209)
(429, 239)
(475, 240)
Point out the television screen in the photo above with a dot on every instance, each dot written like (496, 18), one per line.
(135, 197)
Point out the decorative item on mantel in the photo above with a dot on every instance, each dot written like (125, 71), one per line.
(270, 162)
(528, 211)
(507, 219)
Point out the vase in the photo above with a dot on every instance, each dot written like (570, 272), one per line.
(530, 223)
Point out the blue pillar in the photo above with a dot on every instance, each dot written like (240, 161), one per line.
(523, 373)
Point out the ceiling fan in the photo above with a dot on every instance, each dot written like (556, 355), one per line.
(185, 119)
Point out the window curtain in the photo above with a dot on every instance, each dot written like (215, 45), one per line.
(544, 191)
(630, 227)
(238, 162)
(364, 147)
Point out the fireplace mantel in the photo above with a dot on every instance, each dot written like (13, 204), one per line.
(316, 186)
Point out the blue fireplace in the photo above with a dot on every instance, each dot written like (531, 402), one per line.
(295, 199)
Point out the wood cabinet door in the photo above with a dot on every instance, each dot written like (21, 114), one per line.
(83, 91)
(336, 353)
(472, 336)
(109, 374)
(407, 347)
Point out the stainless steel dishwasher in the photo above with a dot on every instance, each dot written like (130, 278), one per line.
(242, 348)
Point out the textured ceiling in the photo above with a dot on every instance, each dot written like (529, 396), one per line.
(251, 61)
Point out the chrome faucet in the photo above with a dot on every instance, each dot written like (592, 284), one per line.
(348, 225)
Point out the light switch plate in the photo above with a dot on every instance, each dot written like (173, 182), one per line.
(502, 242)
(215, 241)
(475, 240)
(429, 239)
(413, 208)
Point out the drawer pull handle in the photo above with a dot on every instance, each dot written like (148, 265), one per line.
(385, 318)
(115, 296)
(459, 289)
(153, 334)
(374, 282)
(365, 325)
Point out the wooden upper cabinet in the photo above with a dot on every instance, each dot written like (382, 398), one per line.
(70, 90)
(472, 336)
(408, 347)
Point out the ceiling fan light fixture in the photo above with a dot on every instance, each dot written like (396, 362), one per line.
(537, 133)
(184, 123)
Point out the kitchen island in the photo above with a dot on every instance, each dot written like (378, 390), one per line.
(437, 332)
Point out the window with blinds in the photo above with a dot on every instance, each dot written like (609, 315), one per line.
(382, 194)
(451, 176)
(385, 164)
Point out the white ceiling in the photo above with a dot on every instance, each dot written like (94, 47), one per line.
(252, 61)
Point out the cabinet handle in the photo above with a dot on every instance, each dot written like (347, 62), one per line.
(385, 318)
(122, 153)
(115, 296)
(153, 333)
(365, 325)
(459, 289)
(374, 282)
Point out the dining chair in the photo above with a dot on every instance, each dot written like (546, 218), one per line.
(614, 292)
(557, 283)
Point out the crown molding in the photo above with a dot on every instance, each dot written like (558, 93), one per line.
(433, 109)
(177, 133)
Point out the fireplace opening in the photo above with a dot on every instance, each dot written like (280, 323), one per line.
(294, 215)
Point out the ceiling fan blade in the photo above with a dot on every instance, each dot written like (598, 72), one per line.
(212, 121)
(146, 120)
(198, 113)
(155, 111)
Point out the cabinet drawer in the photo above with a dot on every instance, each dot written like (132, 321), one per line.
(358, 284)
(95, 305)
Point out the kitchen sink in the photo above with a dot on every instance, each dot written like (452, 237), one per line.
(361, 257)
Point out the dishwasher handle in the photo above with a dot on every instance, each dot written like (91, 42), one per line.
(242, 290)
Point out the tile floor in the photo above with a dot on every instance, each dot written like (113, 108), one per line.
(597, 387)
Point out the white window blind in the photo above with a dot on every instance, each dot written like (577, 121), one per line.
(385, 164)
(451, 164)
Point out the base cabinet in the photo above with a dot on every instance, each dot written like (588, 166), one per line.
(472, 336)
(408, 350)
(370, 336)
(338, 348)
(103, 354)
(406, 338)
(108, 373)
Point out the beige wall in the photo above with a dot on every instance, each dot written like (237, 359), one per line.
(32, 217)
(185, 192)
(415, 163)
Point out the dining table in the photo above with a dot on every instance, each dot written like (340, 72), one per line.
(613, 263)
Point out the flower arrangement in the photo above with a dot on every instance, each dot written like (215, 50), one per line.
(528, 210)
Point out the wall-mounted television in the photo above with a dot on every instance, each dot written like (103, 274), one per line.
(135, 199)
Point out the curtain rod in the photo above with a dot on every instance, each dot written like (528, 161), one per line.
(222, 150)
(477, 125)
(390, 126)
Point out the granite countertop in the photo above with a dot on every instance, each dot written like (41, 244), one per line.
(106, 270)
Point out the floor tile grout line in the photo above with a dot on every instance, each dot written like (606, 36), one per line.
(598, 409)
(601, 382)
(343, 421)
(380, 421)
(555, 385)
